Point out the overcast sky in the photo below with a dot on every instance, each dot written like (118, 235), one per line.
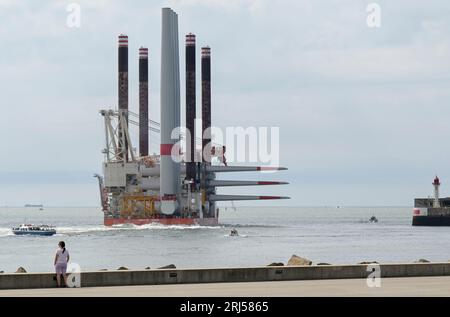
(363, 112)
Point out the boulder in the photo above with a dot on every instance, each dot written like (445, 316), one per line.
(422, 261)
(296, 260)
(276, 264)
(21, 270)
(170, 266)
(323, 264)
(122, 268)
(368, 262)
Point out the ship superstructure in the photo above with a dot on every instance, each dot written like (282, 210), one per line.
(171, 187)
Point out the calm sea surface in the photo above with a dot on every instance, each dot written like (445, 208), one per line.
(267, 234)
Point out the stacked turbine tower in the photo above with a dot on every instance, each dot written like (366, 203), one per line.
(143, 188)
(170, 111)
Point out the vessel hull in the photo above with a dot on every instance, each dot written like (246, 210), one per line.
(436, 221)
(163, 221)
(34, 233)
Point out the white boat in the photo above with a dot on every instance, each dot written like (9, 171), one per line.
(27, 229)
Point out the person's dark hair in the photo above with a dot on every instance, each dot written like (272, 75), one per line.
(62, 245)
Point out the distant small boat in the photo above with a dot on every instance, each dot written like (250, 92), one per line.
(28, 229)
(234, 233)
(34, 206)
(373, 219)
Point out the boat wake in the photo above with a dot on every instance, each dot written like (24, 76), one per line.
(128, 227)
(79, 230)
(235, 225)
(4, 232)
(238, 236)
(157, 226)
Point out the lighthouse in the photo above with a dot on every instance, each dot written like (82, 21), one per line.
(436, 185)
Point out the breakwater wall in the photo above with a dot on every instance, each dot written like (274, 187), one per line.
(224, 275)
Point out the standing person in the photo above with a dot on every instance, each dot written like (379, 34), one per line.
(62, 257)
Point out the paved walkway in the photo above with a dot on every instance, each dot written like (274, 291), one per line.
(407, 286)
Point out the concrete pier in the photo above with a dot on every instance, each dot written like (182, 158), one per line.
(405, 286)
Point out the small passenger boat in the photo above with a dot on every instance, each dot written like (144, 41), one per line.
(27, 229)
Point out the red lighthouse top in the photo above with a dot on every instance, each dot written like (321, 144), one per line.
(436, 181)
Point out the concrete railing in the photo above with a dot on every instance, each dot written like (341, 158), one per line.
(223, 275)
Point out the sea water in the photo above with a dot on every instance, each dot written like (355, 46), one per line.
(266, 234)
